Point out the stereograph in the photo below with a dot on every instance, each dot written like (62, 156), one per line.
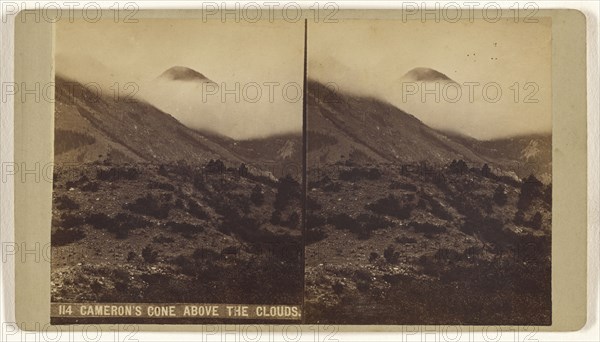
(367, 169)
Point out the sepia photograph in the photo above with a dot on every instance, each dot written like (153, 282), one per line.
(429, 172)
(358, 172)
(178, 171)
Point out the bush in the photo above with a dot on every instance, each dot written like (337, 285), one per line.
(187, 229)
(161, 186)
(215, 166)
(120, 225)
(403, 186)
(405, 240)
(536, 221)
(500, 197)
(427, 228)
(70, 220)
(117, 173)
(374, 222)
(149, 254)
(162, 239)
(196, 210)
(458, 166)
(363, 280)
(243, 170)
(275, 217)
(439, 210)
(356, 174)
(100, 221)
(391, 206)
(293, 220)
(390, 255)
(287, 190)
(315, 234)
(91, 187)
(344, 221)
(314, 220)
(63, 202)
(61, 236)
(257, 196)
(149, 206)
(531, 188)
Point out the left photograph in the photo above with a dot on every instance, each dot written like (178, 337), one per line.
(177, 193)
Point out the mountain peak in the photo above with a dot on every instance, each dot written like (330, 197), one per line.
(180, 73)
(421, 74)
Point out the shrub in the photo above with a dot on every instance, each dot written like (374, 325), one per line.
(149, 205)
(196, 210)
(390, 255)
(374, 222)
(121, 224)
(163, 239)
(287, 189)
(91, 187)
(100, 221)
(315, 234)
(64, 202)
(185, 228)
(391, 206)
(427, 228)
(548, 194)
(215, 166)
(363, 280)
(275, 218)
(243, 170)
(500, 197)
(447, 255)
(149, 254)
(314, 220)
(293, 220)
(439, 210)
(70, 220)
(486, 171)
(403, 186)
(312, 204)
(356, 174)
(405, 240)
(344, 221)
(161, 186)
(117, 173)
(61, 236)
(531, 188)
(257, 196)
(536, 221)
(458, 166)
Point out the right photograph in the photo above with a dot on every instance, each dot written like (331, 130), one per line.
(429, 172)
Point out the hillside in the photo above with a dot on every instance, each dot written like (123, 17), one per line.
(345, 127)
(92, 128)
(410, 225)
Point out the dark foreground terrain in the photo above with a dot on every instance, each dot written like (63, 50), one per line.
(175, 232)
(422, 244)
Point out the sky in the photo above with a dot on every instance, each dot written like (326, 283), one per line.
(367, 57)
(370, 57)
(259, 58)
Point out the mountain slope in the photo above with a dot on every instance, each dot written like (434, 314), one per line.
(90, 127)
(366, 130)
(342, 126)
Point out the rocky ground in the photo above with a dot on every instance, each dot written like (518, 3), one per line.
(175, 233)
(453, 244)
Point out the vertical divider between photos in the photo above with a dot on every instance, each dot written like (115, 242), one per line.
(304, 174)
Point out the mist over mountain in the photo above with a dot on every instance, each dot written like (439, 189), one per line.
(232, 108)
(347, 127)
